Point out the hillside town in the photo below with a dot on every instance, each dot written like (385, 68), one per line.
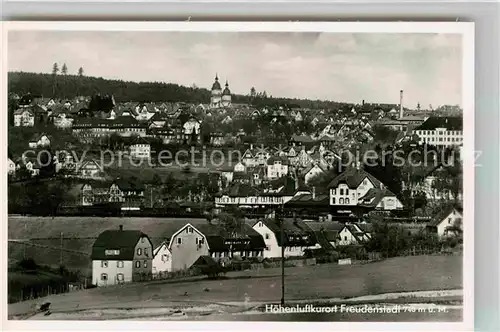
(294, 178)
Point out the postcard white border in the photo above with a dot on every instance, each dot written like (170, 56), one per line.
(466, 29)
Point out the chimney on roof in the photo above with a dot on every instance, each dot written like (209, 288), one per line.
(121, 227)
(401, 104)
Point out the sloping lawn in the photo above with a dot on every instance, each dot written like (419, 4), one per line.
(322, 281)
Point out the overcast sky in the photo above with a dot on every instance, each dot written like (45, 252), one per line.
(331, 66)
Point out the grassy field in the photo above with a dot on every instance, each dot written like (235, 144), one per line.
(47, 232)
(402, 274)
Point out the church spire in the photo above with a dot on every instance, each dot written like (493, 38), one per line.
(227, 85)
(216, 77)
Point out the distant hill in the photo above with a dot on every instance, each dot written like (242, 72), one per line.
(70, 86)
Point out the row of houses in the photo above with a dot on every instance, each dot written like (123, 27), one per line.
(131, 252)
(352, 188)
(120, 255)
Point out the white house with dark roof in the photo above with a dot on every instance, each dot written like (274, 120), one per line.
(447, 218)
(352, 234)
(350, 186)
(277, 167)
(245, 195)
(200, 238)
(255, 156)
(381, 199)
(140, 149)
(312, 172)
(120, 256)
(24, 117)
(162, 258)
(38, 141)
(89, 169)
(441, 131)
(144, 112)
(240, 167)
(297, 237)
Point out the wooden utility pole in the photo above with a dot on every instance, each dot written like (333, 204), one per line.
(61, 251)
(282, 230)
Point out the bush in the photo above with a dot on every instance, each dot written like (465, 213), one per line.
(28, 264)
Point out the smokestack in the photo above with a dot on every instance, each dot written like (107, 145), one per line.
(401, 104)
(121, 227)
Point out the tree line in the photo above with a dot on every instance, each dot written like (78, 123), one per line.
(68, 86)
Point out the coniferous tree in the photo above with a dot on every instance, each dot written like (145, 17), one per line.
(64, 69)
(80, 71)
(55, 69)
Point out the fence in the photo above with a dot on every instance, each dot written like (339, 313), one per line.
(18, 293)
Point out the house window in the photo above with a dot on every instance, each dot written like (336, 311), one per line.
(190, 230)
(165, 258)
(104, 276)
(179, 240)
(119, 277)
(145, 263)
(137, 264)
(146, 253)
(347, 191)
(345, 238)
(347, 200)
(104, 264)
(268, 248)
(333, 200)
(142, 239)
(342, 191)
(341, 201)
(267, 236)
(260, 224)
(119, 264)
(449, 220)
(139, 251)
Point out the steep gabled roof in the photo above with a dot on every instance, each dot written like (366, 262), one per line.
(296, 232)
(129, 185)
(374, 196)
(447, 122)
(122, 240)
(353, 178)
(446, 211)
(283, 159)
(308, 200)
(239, 189)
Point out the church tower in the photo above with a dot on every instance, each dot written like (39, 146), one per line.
(226, 96)
(215, 100)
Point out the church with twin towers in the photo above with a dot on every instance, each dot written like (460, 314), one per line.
(220, 98)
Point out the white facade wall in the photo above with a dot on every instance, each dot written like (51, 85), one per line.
(440, 137)
(162, 261)
(111, 271)
(140, 151)
(343, 195)
(447, 222)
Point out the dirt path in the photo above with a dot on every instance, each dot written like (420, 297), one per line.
(450, 299)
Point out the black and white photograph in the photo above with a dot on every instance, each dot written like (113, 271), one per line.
(239, 172)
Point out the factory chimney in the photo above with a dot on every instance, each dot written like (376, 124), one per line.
(401, 104)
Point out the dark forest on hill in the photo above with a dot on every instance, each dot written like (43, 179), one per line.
(69, 86)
